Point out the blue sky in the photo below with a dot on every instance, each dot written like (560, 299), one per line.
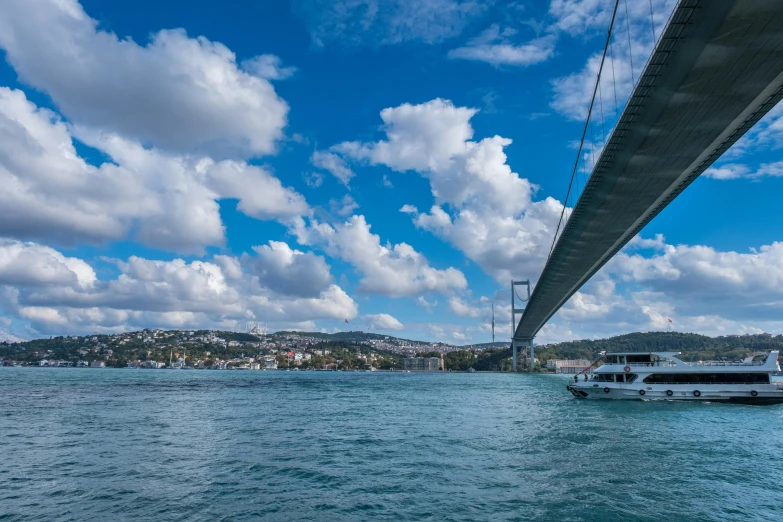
(386, 162)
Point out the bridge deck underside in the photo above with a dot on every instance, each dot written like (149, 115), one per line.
(716, 70)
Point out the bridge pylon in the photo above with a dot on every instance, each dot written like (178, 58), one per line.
(514, 311)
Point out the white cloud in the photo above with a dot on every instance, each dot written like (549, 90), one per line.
(460, 337)
(577, 17)
(700, 289)
(462, 308)
(427, 305)
(261, 195)
(6, 337)
(764, 137)
(59, 294)
(269, 67)
(334, 164)
(393, 270)
(495, 47)
(175, 93)
(386, 21)
(42, 314)
(766, 134)
(313, 179)
(288, 271)
(420, 137)
(737, 171)
(168, 201)
(702, 281)
(482, 206)
(344, 207)
(23, 264)
(383, 322)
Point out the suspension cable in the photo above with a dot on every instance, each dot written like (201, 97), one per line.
(601, 105)
(652, 23)
(587, 124)
(614, 80)
(517, 294)
(630, 49)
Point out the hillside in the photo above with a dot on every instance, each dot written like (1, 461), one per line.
(693, 346)
(160, 345)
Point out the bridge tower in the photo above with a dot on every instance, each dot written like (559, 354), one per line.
(514, 312)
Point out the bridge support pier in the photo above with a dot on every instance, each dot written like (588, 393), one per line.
(514, 312)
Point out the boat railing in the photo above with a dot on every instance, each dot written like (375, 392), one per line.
(664, 364)
(726, 363)
(656, 364)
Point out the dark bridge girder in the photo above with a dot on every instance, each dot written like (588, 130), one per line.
(716, 70)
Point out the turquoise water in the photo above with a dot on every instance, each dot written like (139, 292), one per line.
(86, 444)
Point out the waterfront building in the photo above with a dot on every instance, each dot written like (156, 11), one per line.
(567, 365)
(270, 363)
(97, 364)
(421, 364)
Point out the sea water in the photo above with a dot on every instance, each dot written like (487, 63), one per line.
(161, 445)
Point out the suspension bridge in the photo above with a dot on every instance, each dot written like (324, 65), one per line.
(716, 68)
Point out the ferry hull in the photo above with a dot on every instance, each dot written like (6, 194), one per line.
(762, 397)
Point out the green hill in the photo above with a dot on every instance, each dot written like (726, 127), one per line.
(694, 347)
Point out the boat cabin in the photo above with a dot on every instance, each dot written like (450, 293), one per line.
(640, 359)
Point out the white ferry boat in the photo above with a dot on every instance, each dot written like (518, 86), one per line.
(661, 375)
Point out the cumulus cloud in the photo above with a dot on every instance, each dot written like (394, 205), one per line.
(487, 211)
(481, 206)
(289, 271)
(334, 164)
(6, 337)
(175, 92)
(702, 280)
(268, 66)
(167, 200)
(699, 288)
(427, 305)
(343, 207)
(495, 47)
(30, 264)
(383, 322)
(381, 22)
(737, 171)
(741, 160)
(394, 270)
(462, 308)
(577, 17)
(57, 294)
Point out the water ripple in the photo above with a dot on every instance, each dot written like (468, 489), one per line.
(169, 446)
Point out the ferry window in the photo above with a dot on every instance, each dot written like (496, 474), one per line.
(630, 377)
(641, 358)
(619, 377)
(707, 378)
(605, 377)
